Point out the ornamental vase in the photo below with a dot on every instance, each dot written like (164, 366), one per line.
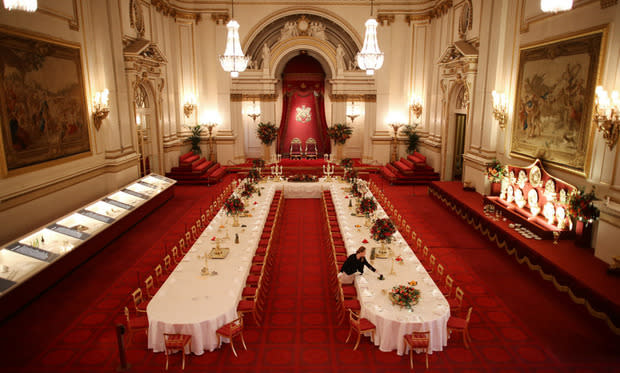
(235, 220)
(496, 189)
(583, 234)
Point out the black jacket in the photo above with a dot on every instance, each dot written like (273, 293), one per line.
(352, 265)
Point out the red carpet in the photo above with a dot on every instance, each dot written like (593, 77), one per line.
(529, 329)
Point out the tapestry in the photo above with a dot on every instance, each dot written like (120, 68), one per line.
(555, 92)
(42, 100)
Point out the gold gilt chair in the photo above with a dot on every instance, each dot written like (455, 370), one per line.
(295, 150)
(311, 149)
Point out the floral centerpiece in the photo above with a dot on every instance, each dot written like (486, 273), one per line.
(347, 163)
(495, 172)
(248, 190)
(267, 132)
(404, 295)
(303, 178)
(258, 163)
(580, 206)
(254, 175)
(382, 230)
(340, 133)
(367, 206)
(350, 175)
(234, 206)
(355, 190)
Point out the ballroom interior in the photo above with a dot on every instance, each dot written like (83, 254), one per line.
(143, 118)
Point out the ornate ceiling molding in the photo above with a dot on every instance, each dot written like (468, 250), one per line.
(440, 9)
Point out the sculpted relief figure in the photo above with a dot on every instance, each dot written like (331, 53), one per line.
(317, 30)
(289, 30)
(266, 56)
(340, 64)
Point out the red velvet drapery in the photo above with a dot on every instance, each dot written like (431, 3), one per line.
(303, 109)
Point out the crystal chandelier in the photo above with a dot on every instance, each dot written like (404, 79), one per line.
(554, 6)
(370, 58)
(233, 59)
(25, 5)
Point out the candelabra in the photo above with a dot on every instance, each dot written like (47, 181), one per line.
(277, 172)
(328, 171)
(396, 127)
(211, 141)
(607, 116)
(352, 112)
(416, 107)
(101, 107)
(254, 112)
(500, 108)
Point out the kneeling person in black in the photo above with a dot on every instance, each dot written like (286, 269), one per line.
(354, 263)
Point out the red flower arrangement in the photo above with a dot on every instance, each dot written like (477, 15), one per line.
(254, 175)
(267, 132)
(340, 132)
(347, 163)
(404, 295)
(580, 205)
(367, 206)
(248, 189)
(382, 230)
(233, 205)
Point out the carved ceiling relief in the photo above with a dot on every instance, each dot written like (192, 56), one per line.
(305, 25)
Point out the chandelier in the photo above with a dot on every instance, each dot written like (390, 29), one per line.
(370, 58)
(554, 6)
(233, 59)
(25, 5)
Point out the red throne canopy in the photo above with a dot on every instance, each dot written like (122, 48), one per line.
(303, 109)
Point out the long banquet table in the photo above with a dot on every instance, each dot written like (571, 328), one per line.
(189, 303)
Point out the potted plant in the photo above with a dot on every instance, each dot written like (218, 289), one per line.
(267, 134)
(412, 138)
(340, 133)
(582, 210)
(495, 172)
(194, 139)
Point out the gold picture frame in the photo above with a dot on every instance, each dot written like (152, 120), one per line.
(554, 100)
(43, 109)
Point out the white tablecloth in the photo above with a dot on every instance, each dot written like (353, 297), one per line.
(189, 303)
(430, 314)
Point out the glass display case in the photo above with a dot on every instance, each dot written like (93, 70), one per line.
(34, 252)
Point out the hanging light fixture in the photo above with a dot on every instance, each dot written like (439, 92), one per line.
(233, 59)
(25, 5)
(370, 58)
(554, 6)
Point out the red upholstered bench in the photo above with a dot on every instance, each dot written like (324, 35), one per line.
(388, 174)
(203, 166)
(417, 158)
(189, 160)
(407, 162)
(185, 156)
(403, 168)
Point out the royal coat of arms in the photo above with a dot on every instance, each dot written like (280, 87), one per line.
(303, 114)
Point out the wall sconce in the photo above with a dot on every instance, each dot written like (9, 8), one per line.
(101, 107)
(254, 111)
(607, 115)
(500, 108)
(352, 112)
(416, 106)
(189, 106)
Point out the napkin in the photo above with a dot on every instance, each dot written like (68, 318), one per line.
(419, 268)
(436, 293)
(240, 268)
(365, 241)
(366, 293)
(346, 197)
(213, 238)
(255, 202)
(362, 280)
